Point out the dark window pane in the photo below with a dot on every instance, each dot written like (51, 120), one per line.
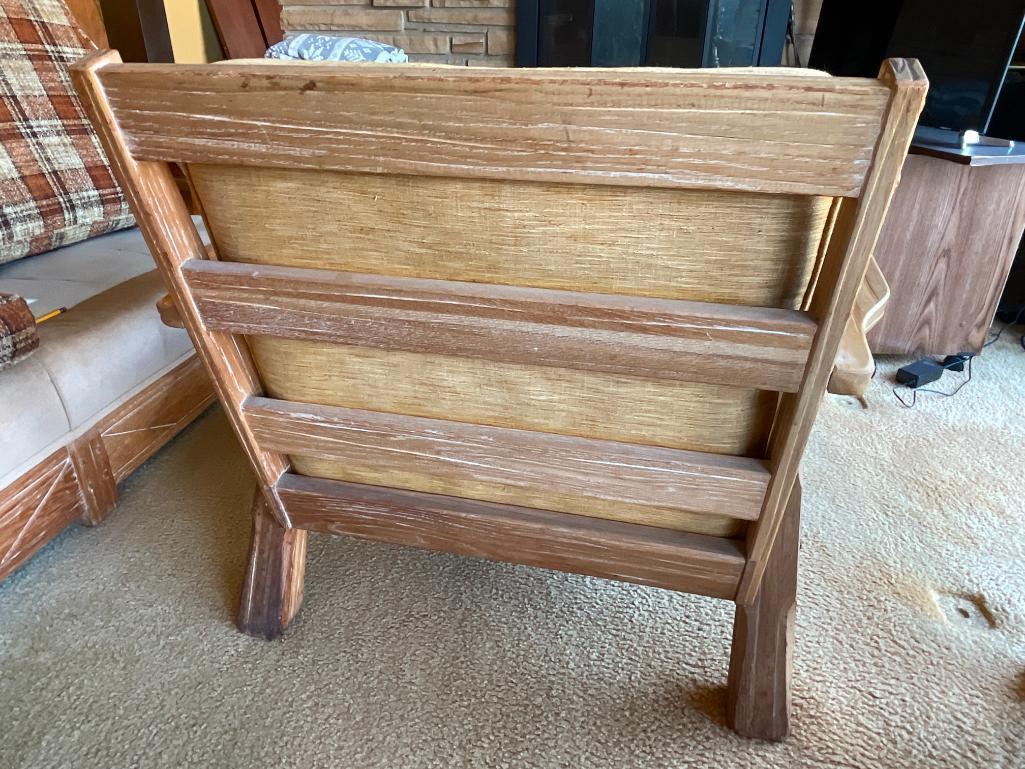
(620, 27)
(566, 33)
(678, 30)
(735, 33)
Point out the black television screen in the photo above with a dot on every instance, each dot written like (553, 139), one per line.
(965, 49)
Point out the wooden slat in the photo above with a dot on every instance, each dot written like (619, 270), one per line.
(850, 247)
(501, 465)
(641, 554)
(757, 131)
(660, 339)
(172, 239)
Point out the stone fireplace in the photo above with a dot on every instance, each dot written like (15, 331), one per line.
(477, 32)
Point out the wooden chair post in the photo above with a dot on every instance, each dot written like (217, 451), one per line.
(273, 588)
(758, 688)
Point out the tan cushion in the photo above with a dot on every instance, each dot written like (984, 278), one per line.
(66, 276)
(32, 416)
(107, 345)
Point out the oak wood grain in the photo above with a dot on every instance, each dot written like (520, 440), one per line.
(273, 589)
(96, 480)
(855, 231)
(75, 483)
(759, 348)
(760, 130)
(133, 432)
(946, 250)
(758, 692)
(644, 555)
(88, 20)
(172, 239)
(36, 508)
(542, 470)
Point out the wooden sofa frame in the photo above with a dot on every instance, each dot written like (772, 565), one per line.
(742, 132)
(79, 481)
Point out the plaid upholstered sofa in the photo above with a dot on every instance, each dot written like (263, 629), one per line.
(88, 395)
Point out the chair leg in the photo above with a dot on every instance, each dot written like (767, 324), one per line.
(273, 588)
(758, 688)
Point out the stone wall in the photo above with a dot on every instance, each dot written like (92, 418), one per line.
(449, 31)
(453, 31)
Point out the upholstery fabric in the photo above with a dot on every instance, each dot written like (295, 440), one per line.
(68, 276)
(18, 337)
(107, 345)
(32, 417)
(56, 185)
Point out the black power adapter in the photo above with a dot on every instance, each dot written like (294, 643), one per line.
(920, 373)
(925, 370)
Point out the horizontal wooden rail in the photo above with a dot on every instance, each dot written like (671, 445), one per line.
(646, 555)
(395, 446)
(752, 347)
(760, 131)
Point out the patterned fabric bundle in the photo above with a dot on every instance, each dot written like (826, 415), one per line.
(56, 186)
(311, 47)
(18, 337)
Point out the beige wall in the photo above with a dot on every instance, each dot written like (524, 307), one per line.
(449, 31)
(193, 37)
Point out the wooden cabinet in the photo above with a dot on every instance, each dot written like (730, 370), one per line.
(946, 249)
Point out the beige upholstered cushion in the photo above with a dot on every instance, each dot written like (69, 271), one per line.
(66, 276)
(107, 345)
(32, 416)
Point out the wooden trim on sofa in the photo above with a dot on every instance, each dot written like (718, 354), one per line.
(78, 482)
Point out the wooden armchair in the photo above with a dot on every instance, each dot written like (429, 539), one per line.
(552, 317)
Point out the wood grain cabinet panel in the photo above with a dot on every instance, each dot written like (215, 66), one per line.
(946, 250)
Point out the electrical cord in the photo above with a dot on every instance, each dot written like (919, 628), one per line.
(952, 393)
(1017, 318)
(953, 364)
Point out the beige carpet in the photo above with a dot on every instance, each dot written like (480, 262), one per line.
(117, 647)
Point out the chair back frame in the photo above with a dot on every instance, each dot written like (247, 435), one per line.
(744, 132)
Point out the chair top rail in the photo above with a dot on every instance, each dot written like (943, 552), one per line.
(746, 130)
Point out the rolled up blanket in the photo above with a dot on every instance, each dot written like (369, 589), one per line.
(18, 337)
(310, 47)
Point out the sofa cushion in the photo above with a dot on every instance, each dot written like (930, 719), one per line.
(55, 181)
(107, 345)
(66, 276)
(18, 337)
(32, 416)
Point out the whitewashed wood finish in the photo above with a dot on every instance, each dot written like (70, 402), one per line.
(541, 470)
(754, 130)
(856, 229)
(722, 132)
(172, 239)
(659, 339)
(37, 507)
(645, 555)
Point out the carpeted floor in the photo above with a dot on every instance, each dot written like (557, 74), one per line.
(117, 647)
